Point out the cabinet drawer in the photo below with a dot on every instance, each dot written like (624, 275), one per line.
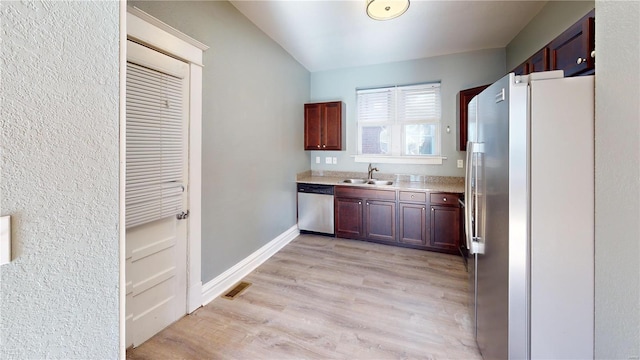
(444, 199)
(413, 196)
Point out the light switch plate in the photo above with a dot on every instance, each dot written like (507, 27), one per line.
(335, 160)
(5, 240)
(460, 164)
(317, 159)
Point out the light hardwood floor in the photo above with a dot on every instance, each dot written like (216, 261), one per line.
(326, 298)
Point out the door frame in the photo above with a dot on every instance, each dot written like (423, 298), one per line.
(147, 30)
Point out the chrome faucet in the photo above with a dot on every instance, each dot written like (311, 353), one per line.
(370, 171)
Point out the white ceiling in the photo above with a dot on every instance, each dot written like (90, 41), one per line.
(325, 35)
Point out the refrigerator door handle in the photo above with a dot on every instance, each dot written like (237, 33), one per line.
(467, 196)
(477, 243)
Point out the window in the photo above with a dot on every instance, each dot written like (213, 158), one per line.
(399, 121)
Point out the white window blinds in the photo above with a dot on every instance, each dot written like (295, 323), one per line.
(419, 103)
(154, 145)
(399, 121)
(376, 105)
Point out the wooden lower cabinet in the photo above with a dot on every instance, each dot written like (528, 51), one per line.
(365, 214)
(413, 224)
(445, 228)
(348, 218)
(380, 220)
(429, 221)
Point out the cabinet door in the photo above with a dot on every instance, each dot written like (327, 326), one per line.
(571, 51)
(445, 228)
(380, 220)
(413, 226)
(312, 126)
(521, 69)
(465, 97)
(348, 218)
(539, 61)
(332, 126)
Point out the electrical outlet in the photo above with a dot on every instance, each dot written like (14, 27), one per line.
(460, 164)
(317, 159)
(327, 160)
(335, 160)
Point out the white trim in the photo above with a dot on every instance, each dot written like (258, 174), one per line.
(432, 160)
(122, 182)
(167, 28)
(224, 281)
(170, 42)
(194, 254)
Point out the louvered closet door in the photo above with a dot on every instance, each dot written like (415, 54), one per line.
(156, 183)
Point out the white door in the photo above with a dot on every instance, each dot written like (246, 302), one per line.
(156, 177)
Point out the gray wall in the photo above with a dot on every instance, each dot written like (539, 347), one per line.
(617, 297)
(455, 72)
(551, 21)
(253, 123)
(59, 110)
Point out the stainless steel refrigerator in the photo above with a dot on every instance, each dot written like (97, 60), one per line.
(529, 217)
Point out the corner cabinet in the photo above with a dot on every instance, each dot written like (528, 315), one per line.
(324, 126)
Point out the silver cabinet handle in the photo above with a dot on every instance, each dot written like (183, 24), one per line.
(324, 146)
(367, 204)
(580, 60)
(433, 209)
(359, 202)
(444, 199)
(593, 54)
(413, 196)
(318, 146)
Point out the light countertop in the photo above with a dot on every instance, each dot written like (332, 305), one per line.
(423, 183)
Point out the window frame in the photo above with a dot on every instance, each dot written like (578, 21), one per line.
(396, 126)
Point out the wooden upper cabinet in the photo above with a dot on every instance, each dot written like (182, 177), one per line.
(520, 69)
(573, 51)
(539, 61)
(465, 97)
(324, 126)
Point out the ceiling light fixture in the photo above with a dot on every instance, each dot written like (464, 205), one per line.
(386, 9)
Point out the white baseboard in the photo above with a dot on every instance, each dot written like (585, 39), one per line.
(224, 281)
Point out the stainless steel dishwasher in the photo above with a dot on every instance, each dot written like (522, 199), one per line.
(315, 208)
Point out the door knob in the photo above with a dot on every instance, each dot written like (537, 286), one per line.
(183, 215)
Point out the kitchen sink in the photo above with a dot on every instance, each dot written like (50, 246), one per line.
(368, 182)
(355, 181)
(380, 182)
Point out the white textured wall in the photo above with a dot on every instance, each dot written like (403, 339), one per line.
(617, 288)
(59, 114)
